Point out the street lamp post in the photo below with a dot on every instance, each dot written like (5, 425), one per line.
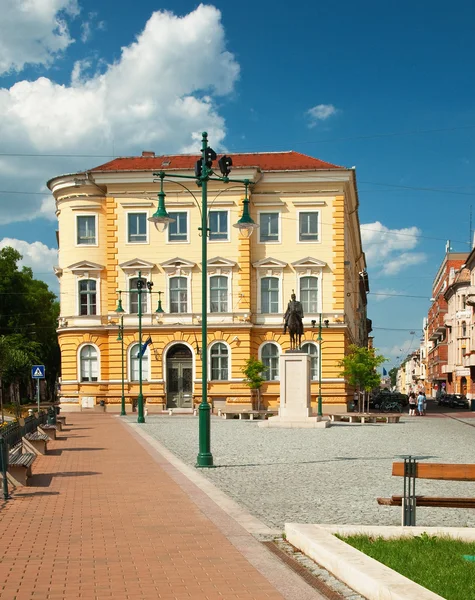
(120, 338)
(320, 341)
(203, 174)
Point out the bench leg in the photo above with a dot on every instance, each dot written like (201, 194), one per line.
(251, 417)
(18, 475)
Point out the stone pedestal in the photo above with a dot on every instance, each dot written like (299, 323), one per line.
(295, 407)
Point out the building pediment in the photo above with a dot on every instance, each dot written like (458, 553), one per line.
(269, 263)
(85, 268)
(177, 266)
(309, 263)
(218, 261)
(136, 264)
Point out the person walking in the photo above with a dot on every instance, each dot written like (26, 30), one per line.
(412, 404)
(420, 404)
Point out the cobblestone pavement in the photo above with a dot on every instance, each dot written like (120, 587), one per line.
(325, 475)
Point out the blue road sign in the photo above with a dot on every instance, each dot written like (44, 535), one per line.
(38, 371)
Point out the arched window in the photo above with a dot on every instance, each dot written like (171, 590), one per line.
(219, 362)
(269, 295)
(270, 358)
(88, 363)
(134, 296)
(464, 329)
(135, 363)
(312, 351)
(218, 296)
(178, 295)
(87, 297)
(309, 294)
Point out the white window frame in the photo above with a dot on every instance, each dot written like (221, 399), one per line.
(228, 276)
(279, 352)
(319, 291)
(188, 293)
(319, 227)
(279, 226)
(128, 302)
(96, 230)
(227, 239)
(318, 276)
(187, 241)
(210, 360)
(280, 278)
(98, 295)
(145, 376)
(127, 232)
(316, 377)
(79, 370)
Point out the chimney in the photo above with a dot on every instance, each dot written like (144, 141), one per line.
(148, 154)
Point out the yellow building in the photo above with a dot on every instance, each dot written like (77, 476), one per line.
(308, 240)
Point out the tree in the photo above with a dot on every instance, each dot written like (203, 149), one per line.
(28, 321)
(253, 370)
(393, 375)
(359, 368)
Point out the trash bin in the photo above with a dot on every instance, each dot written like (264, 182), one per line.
(57, 409)
(472, 404)
(102, 403)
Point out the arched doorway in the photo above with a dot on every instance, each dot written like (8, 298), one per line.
(179, 377)
(463, 386)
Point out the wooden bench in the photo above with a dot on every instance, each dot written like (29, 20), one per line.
(49, 430)
(36, 441)
(19, 466)
(411, 470)
(61, 420)
(366, 417)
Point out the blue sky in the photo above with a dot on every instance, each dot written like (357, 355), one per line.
(388, 90)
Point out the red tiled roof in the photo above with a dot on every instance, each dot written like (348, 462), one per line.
(266, 161)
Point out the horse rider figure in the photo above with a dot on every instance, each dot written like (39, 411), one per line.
(295, 307)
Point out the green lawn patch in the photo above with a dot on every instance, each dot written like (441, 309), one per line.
(437, 563)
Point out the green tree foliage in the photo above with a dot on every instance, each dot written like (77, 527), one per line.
(359, 368)
(393, 375)
(28, 321)
(253, 370)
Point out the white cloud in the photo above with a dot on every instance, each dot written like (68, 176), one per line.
(89, 25)
(34, 32)
(389, 250)
(38, 257)
(384, 294)
(320, 112)
(160, 94)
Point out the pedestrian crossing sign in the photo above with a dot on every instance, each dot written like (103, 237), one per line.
(38, 371)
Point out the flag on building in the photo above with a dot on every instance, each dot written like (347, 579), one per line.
(384, 372)
(147, 342)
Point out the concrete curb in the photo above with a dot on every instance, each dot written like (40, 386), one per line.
(362, 573)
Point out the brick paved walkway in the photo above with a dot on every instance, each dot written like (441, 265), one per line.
(103, 519)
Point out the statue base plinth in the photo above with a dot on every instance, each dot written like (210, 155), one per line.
(295, 423)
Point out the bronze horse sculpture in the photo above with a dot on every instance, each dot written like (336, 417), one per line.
(294, 322)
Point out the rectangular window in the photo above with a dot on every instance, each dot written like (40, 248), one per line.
(269, 227)
(136, 228)
(308, 227)
(178, 230)
(218, 225)
(87, 297)
(269, 295)
(178, 295)
(86, 230)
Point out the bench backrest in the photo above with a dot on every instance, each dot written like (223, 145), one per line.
(449, 472)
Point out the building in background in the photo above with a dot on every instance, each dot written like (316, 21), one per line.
(437, 349)
(459, 323)
(308, 240)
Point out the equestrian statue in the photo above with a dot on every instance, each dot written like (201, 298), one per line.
(293, 321)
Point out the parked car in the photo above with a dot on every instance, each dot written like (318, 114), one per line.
(377, 400)
(444, 399)
(459, 400)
